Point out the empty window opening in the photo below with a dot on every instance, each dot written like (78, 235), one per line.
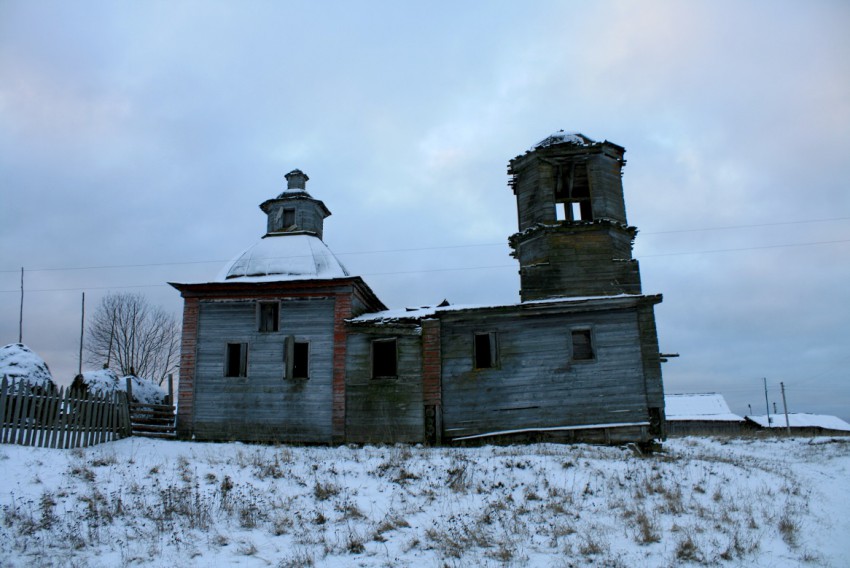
(236, 360)
(269, 316)
(288, 218)
(576, 211)
(485, 350)
(297, 358)
(582, 345)
(572, 192)
(561, 212)
(300, 360)
(384, 358)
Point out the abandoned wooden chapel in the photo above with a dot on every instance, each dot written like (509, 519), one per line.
(286, 345)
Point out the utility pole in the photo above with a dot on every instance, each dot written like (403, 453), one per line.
(766, 403)
(82, 331)
(21, 318)
(785, 405)
(774, 408)
(750, 406)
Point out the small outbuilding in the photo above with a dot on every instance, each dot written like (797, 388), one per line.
(802, 424)
(700, 414)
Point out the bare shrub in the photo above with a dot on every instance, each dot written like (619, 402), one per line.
(687, 549)
(324, 491)
(647, 527)
(789, 528)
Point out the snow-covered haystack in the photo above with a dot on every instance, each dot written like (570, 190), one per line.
(21, 365)
(106, 382)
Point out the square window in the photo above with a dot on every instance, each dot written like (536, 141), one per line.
(288, 218)
(236, 360)
(269, 314)
(486, 352)
(582, 345)
(384, 358)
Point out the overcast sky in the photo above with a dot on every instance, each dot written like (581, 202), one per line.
(147, 133)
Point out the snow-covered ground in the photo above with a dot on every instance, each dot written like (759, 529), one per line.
(771, 502)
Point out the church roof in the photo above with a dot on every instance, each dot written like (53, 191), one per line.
(283, 257)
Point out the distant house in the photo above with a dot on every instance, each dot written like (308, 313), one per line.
(803, 424)
(287, 345)
(704, 414)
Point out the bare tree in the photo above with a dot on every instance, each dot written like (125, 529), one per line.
(127, 333)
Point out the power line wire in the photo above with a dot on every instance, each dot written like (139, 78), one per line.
(445, 247)
(791, 245)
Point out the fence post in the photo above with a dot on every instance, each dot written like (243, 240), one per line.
(3, 398)
(171, 389)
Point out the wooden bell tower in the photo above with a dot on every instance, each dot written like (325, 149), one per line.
(573, 237)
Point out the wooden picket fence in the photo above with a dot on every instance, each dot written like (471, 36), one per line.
(62, 418)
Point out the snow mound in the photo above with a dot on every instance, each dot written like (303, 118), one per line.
(20, 364)
(105, 382)
(562, 137)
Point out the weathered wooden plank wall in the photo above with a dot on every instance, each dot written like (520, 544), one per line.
(536, 385)
(384, 410)
(264, 405)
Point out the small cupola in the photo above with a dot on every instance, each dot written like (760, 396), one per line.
(295, 210)
(296, 180)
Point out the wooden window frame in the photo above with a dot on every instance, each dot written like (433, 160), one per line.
(585, 332)
(242, 371)
(374, 361)
(492, 346)
(261, 320)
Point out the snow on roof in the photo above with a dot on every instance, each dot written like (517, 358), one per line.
(802, 420)
(105, 382)
(19, 363)
(700, 406)
(561, 137)
(429, 311)
(283, 257)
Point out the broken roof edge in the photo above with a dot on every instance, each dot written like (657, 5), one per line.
(236, 287)
(572, 225)
(429, 312)
(580, 147)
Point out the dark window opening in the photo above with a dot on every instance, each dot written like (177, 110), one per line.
(485, 350)
(384, 358)
(582, 345)
(288, 218)
(300, 360)
(572, 193)
(269, 316)
(236, 360)
(297, 357)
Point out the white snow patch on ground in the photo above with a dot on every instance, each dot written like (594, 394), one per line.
(776, 502)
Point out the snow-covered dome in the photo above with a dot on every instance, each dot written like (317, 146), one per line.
(562, 137)
(286, 256)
